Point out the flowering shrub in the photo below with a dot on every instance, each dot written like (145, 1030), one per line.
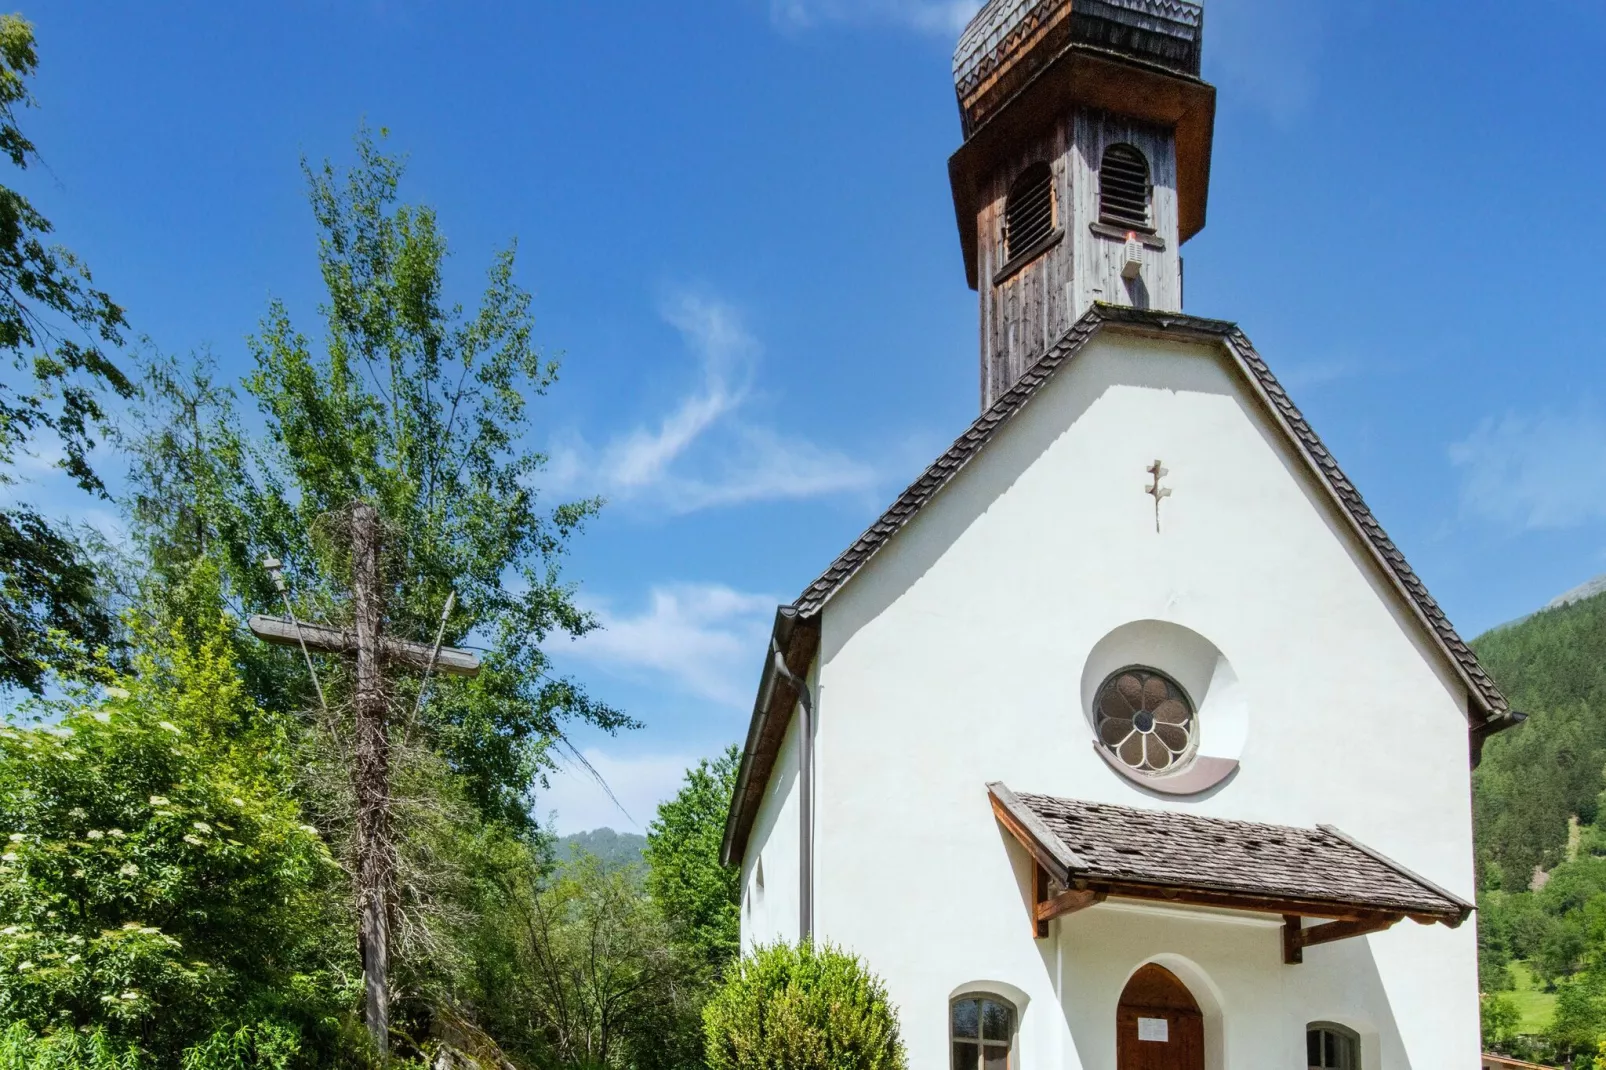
(155, 881)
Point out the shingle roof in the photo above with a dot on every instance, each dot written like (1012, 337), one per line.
(1003, 27)
(993, 34)
(1485, 693)
(1123, 845)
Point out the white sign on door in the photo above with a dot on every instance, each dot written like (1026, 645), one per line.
(1155, 1029)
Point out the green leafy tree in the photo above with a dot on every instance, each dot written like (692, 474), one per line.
(157, 881)
(1499, 1018)
(1580, 1022)
(595, 979)
(802, 1008)
(53, 325)
(422, 409)
(700, 897)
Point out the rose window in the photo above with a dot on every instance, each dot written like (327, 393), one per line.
(1145, 719)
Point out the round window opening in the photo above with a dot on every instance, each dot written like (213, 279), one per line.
(1145, 719)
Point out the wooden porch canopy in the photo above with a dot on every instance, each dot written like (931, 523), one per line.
(1089, 852)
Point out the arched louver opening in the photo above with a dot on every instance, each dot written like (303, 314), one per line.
(1029, 212)
(1124, 188)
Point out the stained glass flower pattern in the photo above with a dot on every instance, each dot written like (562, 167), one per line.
(1145, 720)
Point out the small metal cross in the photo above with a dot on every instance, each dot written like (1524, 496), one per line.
(1156, 491)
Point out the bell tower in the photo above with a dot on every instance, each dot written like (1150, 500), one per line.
(1086, 165)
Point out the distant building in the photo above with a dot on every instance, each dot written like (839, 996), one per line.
(1500, 1062)
(1125, 739)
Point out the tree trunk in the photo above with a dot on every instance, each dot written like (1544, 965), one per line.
(371, 777)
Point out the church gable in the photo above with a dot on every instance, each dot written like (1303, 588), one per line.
(1139, 590)
(1238, 370)
(1488, 703)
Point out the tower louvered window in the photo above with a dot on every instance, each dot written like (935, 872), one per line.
(1124, 188)
(1029, 211)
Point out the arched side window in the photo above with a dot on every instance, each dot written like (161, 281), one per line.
(1331, 1047)
(982, 1033)
(1124, 190)
(1029, 210)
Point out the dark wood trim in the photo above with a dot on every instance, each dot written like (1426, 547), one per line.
(1483, 729)
(1039, 851)
(1147, 237)
(1024, 259)
(1039, 897)
(1343, 930)
(1293, 947)
(1296, 938)
(1200, 897)
(1067, 903)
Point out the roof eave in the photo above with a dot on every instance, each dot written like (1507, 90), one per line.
(796, 637)
(1029, 830)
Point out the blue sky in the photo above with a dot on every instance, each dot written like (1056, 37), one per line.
(735, 217)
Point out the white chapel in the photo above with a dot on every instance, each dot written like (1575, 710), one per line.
(1125, 739)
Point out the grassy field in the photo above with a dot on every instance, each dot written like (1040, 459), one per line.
(1535, 1005)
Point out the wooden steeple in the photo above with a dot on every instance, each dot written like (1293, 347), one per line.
(1086, 164)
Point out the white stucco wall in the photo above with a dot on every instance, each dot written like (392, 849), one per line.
(956, 657)
(771, 907)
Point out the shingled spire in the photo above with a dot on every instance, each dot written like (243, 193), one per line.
(1086, 164)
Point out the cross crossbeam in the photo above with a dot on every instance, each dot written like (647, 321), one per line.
(322, 639)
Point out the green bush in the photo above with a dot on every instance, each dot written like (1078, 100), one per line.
(802, 1008)
(157, 884)
(259, 1046)
(21, 1049)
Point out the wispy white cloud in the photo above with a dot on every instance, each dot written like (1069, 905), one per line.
(705, 640)
(575, 802)
(706, 452)
(1535, 473)
(1266, 51)
(925, 16)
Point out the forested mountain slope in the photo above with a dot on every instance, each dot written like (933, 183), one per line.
(613, 849)
(1535, 778)
(1541, 837)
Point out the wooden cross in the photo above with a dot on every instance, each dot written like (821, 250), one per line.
(373, 652)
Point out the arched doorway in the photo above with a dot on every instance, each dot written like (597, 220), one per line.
(1158, 1025)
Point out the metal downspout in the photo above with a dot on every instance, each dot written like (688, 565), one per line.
(805, 779)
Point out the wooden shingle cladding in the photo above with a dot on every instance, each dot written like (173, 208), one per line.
(797, 626)
(1010, 41)
(1024, 308)
(1123, 850)
(1099, 277)
(1089, 853)
(1035, 294)
(1034, 124)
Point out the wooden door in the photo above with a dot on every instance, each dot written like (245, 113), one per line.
(1158, 1026)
